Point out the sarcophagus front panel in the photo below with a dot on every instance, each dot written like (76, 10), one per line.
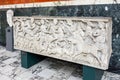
(80, 40)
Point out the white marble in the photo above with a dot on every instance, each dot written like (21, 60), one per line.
(9, 14)
(64, 71)
(60, 3)
(74, 78)
(3, 77)
(10, 60)
(47, 73)
(81, 40)
(63, 74)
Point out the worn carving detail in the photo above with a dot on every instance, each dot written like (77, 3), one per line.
(81, 40)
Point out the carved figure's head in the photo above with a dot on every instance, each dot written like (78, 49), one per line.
(9, 14)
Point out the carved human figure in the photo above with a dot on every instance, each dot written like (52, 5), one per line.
(77, 40)
(101, 41)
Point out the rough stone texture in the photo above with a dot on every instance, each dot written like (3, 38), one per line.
(81, 40)
(10, 69)
(9, 15)
(105, 10)
(110, 10)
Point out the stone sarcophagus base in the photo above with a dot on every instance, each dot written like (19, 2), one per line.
(80, 40)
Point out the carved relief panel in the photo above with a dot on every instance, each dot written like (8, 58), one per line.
(80, 40)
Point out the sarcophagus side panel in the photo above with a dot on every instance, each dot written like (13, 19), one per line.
(80, 40)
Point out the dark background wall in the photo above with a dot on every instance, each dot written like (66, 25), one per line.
(3, 25)
(106, 10)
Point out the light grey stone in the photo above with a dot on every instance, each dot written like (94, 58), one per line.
(9, 61)
(74, 78)
(25, 75)
(9, 14)
(67, 71)
(47, 73)
(3, 77)
(80, 40)
(6, 70)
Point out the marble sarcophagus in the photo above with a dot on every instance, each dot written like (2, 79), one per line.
(82, 40)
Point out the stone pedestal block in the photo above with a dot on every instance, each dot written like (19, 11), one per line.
(9, 39)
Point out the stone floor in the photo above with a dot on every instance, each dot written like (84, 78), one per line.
(48, 69)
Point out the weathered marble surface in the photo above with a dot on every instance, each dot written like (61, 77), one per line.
(10, 69)
(60, 3)
(81, 40)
